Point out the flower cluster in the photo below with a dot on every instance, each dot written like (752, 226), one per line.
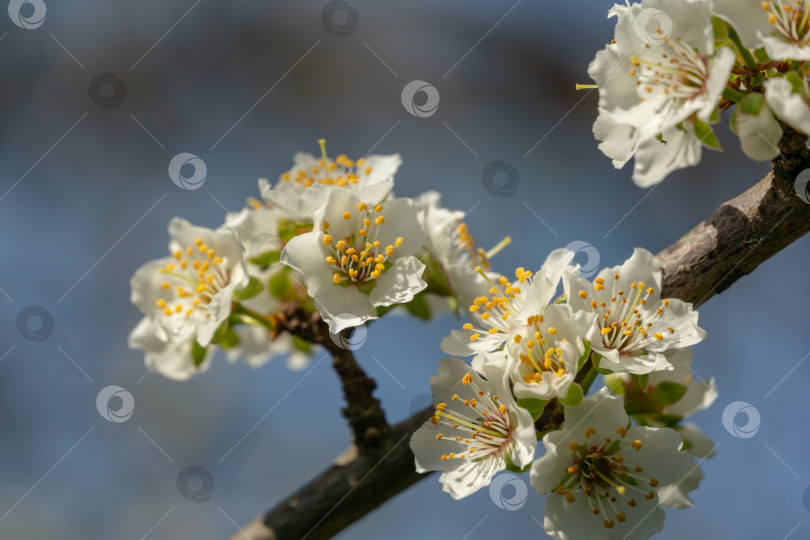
(538, 342)
(329, 236)
(675, 65)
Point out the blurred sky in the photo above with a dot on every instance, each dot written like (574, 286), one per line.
(85, 198)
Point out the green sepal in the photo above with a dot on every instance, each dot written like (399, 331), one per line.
(752, 104)
(289, 229)
(301, 344)
(418, 307)
(574, 396)
(643, 381)
(220, 332)
(668, 393)
(266, 259)
(796, 82)
(197, 353)
(720, 31)
(533, 405)
(706, 135)
(616, 384)
(252, 289)
(280, 286)
(230, 339)
(511, 467)
(584, 357)
(732, 120)
(596, 358)
(761, 55)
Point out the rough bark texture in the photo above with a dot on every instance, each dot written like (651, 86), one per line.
(730, 243)
(363, 410)
(742, 233)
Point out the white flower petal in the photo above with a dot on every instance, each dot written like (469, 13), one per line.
(790, 107)
(399, 283)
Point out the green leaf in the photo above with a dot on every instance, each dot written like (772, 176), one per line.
(533, 405)
(266, 259)
(668, 393)
(280, 286)
(706, 135)
(615, 384)
(719, 27)
(418, 307)
(752, 104)
(742, 51)
(643, 381)
(197, 353)
(252, 289)
(574, 396)
(584, 357)
(715, 116)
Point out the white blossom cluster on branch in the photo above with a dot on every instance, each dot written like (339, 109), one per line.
(675, 67)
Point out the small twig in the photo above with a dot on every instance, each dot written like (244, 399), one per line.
(363, 410)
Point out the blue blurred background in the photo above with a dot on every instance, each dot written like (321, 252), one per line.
(85, 198)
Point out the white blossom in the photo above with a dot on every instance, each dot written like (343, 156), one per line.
(791, 107)
(304, 188)
(359, 257)
(634, 327)
(509, 306)
(169, 355)
(651, 82)
(602, 476)
(475, 430)
(191, 291)
(781, 27)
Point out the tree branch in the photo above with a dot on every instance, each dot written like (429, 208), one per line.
(730, 243)
(363, 410)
